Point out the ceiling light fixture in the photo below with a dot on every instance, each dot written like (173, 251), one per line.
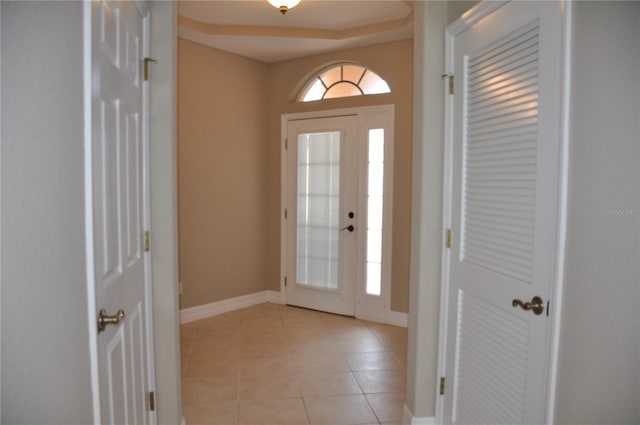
(284, 5)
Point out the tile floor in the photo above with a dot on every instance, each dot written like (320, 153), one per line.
(280, 365)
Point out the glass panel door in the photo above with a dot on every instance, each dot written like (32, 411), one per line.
(322, 198)
(318, 231)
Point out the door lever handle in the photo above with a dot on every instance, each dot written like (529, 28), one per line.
(349, 228)
(536, 305)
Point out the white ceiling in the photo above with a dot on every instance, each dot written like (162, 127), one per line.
(255, 29)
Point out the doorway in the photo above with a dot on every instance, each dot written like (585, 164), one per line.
(336, 185)
(503, 211)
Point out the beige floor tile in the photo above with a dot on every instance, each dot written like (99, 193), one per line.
(272, 412)
(230, 319)
(263, 347)
(268, 387)
(319, 362)
(202, 390)
(211, 367)
(339, 410)
(328, 383)
(359, 346)
(211, 349)
(381, 381)
(221, 413)
(376, 360)
(281, 364)
(387, 407)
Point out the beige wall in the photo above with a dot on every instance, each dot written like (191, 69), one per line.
(229, 111)
(222, 185)
(394, 63)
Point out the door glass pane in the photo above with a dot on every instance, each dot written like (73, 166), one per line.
(318, 209)
(375, 178)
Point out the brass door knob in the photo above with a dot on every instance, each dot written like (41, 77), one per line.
(104, 319)
(536, 305)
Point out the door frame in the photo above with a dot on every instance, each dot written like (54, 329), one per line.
(92, 308)
(364, 115)
(456, 28)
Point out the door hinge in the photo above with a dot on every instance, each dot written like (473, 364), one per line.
(286, 144)
(442, 385)
(145, 76)
(285, 213)
(448, 239)
(145, 241)
(451, 82)
(152, 401)
(285, 281)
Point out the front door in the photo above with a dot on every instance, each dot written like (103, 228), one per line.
(119, 193)
(505, 195)
(322, 221)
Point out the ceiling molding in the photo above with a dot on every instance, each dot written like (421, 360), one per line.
(292, 32)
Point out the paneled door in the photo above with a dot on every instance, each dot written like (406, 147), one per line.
(119, 194)
(505, 196)
(322, 217)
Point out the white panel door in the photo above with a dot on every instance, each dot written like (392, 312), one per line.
(119, 193)
(322, 216)
(504, 214)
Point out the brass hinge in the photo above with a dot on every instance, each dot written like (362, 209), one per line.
(145, 241)
(448, 239)
(145, 77)
(285, 213)
(442, 385)
(286, 144)
(285, 281)
(451, 81)
(152, 401)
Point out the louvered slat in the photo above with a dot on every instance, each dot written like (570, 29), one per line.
(490, 365)
(500, 157)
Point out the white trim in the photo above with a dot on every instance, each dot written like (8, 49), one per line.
(213, 309)
(556, 306)
(409, 419)
(397, 318)
(88, 208)
(183, 421)
(447, 180)
(473, 15)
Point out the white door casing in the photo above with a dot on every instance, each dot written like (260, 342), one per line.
(117, 205)
(504, 182)
(363, 128)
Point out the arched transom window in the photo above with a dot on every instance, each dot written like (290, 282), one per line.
(343, 80)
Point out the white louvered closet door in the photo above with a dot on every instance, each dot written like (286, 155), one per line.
(505, 189)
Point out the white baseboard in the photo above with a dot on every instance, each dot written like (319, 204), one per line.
(183, 421)
(409, 419)
(213, 309)
(397, 318)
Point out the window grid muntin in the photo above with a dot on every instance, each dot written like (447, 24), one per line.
(305, 97)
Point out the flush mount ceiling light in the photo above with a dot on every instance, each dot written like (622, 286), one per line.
(284, 5)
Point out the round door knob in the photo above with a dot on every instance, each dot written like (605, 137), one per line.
(104, 319)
